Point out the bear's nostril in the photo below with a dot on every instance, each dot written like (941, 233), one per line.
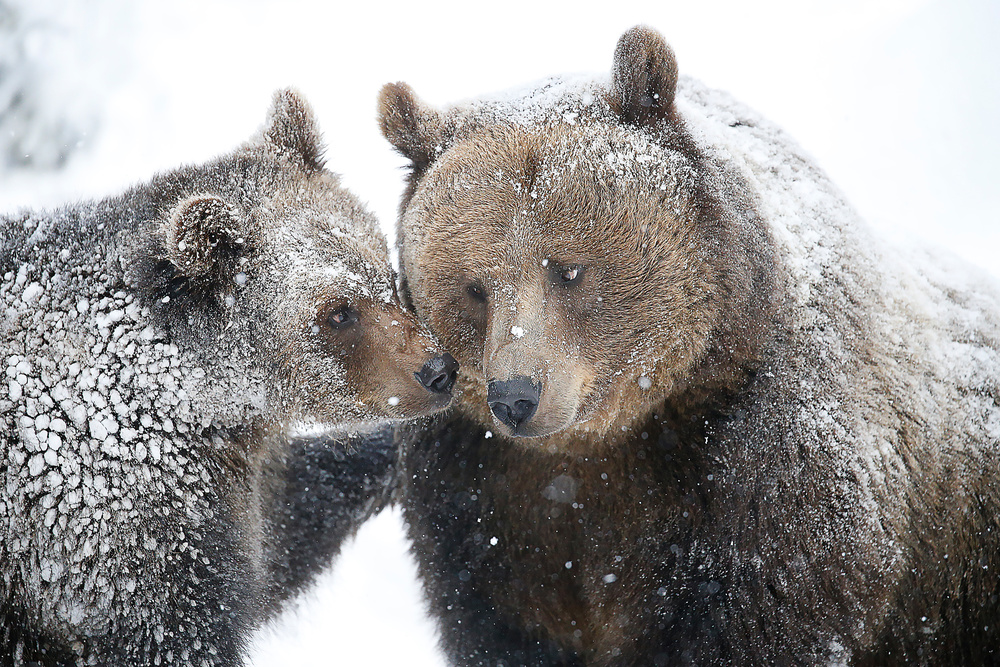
(503, 412)
(513, 401)
(438, 374)
(523, 407)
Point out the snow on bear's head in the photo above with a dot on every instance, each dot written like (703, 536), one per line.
(264, 265)
(570, 244)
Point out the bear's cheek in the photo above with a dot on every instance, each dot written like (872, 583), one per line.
(461, 333)
(315, 388)
(458, 323)
(389, 347)
(593, 392)
(603, 375)
(563, 398)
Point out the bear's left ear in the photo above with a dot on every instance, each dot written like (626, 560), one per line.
(415, 129)
(200, 235)
(644, 77)
(292, 130)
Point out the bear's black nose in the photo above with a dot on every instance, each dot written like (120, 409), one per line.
(438, 374)
(513, 401)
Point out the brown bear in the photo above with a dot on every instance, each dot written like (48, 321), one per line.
(702, 416)
(164, 355)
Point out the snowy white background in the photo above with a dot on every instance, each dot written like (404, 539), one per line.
(899, 101)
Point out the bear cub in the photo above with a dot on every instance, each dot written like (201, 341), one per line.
(702, 417)
(159, 353)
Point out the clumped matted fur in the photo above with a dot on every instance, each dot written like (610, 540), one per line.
(159, 353)
(762, 437)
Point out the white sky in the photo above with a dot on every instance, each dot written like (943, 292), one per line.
(899, 101)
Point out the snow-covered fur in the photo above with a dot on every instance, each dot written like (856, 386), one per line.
(759, 435)
(158, 352)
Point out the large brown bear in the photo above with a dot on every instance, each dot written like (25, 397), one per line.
(160, 353)
(702, 417)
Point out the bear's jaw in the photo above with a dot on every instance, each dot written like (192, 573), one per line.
(600, 425)
(587, 415)
(578, 438)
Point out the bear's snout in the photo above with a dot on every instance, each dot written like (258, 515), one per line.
(513, 401)
(438, 374)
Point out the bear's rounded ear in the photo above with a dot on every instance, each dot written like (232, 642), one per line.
(415, 129)
(644, 77)
(199, 234)
(292, 130)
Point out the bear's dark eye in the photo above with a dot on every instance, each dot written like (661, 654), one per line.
(567, 276)
(477, 292)
(342, 317)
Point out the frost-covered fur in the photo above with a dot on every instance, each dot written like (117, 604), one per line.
(777, 439)
(158, 350)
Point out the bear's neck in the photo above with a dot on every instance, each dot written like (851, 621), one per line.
(697, 404)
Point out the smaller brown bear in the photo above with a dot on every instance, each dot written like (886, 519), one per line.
(703, 417)
(159, 352)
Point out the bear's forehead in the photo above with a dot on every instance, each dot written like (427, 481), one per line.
(561, 190)
(595, 159)
(344, 265)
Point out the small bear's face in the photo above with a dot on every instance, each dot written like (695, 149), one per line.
(292, 278)
(350, 351)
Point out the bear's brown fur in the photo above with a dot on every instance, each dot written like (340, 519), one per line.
(703, 418)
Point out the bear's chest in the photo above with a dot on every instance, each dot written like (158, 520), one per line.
(593, 553)
(583, 553)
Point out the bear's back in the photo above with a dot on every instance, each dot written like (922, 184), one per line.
(930, 324)
(886, 377)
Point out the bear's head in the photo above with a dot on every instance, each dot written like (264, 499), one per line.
(279, 280)
(576, 250)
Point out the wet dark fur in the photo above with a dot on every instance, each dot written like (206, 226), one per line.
(330, 487)
(711, 573)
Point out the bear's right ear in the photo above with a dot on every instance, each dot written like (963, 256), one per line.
(200, 234)
(644, 77)
(415, 129)
(291, 129)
